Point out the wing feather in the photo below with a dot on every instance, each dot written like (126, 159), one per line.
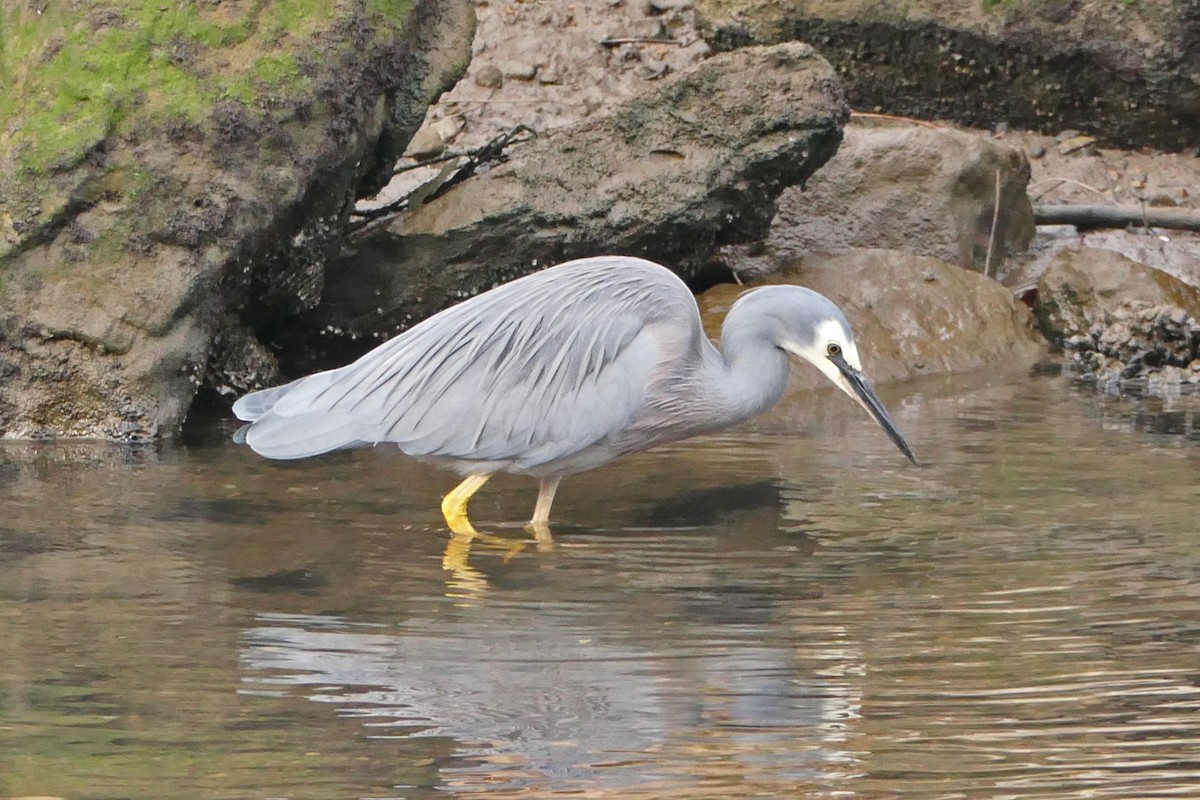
(530, 372)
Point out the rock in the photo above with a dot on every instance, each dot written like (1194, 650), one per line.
(426, 144)
(663, 6)
(520, 70)
(489, 77)
(1120, 322)
(1179, 257)
(1127, 72)
(211, 178)
(1081, 283)
(448, 128)
(912, 315)
(695, 160)
(1075, 143)
(577, 76)
(550, 73)
(925, 191)
(239, 362)
(651, 69)
(1037, 151)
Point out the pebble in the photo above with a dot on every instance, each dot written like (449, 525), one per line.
(450, 127)
(1037, 151)
(521, 70)
(663, 6)
(652, 70)
(489, 77)
(1158, 345)
(427, 144)
(1075, 143)
(550, 74)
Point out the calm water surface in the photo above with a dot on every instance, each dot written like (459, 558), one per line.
(789, 610)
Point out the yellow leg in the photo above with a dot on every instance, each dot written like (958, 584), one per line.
(454, 505)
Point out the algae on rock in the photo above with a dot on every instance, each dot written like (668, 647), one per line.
(167, 169)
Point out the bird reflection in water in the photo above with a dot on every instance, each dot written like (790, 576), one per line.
(567, 700)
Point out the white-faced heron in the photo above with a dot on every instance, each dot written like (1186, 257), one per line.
(559, 372)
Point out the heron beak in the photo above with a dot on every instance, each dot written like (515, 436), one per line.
(857, 386)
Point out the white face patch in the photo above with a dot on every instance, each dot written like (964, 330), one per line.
(828, 332)
(831, 332)
(816, 353)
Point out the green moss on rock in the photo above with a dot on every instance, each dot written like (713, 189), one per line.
(71, 78)
(162, 163)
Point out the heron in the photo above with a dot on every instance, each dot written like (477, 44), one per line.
(559, 372)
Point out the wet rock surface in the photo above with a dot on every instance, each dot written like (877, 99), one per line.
(1138, 345)
(1121, 324)
(1128, 72)
(912, 315)
(694, 161)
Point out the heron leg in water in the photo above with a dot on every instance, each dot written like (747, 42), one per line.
(454, 505)
(540, 524)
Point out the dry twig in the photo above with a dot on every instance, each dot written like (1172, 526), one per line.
(1059, 182)
(987, 261)
(638, 40)
(894, 118)
(451, 174)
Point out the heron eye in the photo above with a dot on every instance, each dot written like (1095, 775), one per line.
(834, 349)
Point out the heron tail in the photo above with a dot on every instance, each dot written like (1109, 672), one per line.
(297, 433)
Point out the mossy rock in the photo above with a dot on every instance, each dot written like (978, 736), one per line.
(162, 166)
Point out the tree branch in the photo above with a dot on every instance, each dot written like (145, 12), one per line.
(1088, 217)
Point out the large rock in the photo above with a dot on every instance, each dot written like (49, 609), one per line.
(170, 173)
(925, 191)
(1128, 72)
(1120, 322)
(695, 161)
(1177, 254)
(911, 315)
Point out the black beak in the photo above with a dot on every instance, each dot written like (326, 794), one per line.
(871, 402)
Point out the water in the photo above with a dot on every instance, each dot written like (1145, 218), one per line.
(788, 610)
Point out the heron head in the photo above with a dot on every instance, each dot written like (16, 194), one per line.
(819, 333)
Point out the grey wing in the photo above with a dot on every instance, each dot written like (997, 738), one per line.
(526, 374)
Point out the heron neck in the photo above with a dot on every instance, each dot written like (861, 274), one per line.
(752, 376)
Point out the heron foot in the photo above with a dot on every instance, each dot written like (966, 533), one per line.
(454, 505)
(458, 523)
